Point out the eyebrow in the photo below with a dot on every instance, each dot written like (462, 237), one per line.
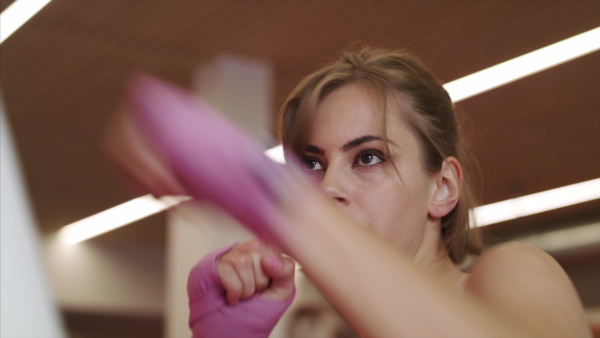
(349, 145)
(315, 150)
(358, 141)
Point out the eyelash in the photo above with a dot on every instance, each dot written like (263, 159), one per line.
(307, 159)
(378, 154)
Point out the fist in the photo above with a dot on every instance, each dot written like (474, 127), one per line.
(252, 268)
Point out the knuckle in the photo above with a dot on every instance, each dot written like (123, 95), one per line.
(227, 257)
(244, 260)
(255, 244)
(225, 266)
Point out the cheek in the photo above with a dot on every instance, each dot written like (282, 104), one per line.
(382, 208)
(392, 210)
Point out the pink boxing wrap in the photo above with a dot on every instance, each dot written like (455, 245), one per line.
(211, 316)
(215, 160)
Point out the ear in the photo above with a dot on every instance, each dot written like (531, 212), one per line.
(448, 184)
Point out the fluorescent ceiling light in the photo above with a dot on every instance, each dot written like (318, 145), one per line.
(116, 217)
(131, 211)
(524, 65)
(17, 14)
(276, 154)
(563, 239)
(536, 203)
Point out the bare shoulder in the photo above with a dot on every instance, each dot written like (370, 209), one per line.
(516, 261)
(528, 286)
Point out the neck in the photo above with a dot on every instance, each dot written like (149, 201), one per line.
(432, 257)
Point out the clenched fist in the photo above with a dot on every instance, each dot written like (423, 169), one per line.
(253, 268)
(240, 291)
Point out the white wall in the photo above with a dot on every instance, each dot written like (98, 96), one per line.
(27, 308)
(242, 89)
(117, 278)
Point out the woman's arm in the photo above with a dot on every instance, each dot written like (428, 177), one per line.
(514, 291)
(374, 286)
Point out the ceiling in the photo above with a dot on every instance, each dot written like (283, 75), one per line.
(63, 73)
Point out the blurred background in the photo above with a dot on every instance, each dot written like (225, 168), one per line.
(64, 72)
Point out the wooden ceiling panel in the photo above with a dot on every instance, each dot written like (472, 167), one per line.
(540, 132)
(63, 74)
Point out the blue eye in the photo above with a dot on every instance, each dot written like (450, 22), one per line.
(369, 158)
(312, 164)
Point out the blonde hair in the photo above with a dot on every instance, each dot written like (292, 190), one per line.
(396, 75)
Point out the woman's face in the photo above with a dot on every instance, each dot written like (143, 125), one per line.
(346, 153)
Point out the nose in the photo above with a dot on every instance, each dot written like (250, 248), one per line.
(336, 187)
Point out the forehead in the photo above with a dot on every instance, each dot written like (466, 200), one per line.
(353, 111)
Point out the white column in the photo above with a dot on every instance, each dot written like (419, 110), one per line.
(242, 90)
(27, 308)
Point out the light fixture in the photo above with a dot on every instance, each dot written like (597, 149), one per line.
(554, 241)
(17, 14)
(524, 65)
(131, 211)
(536, 203)
(117, 217)
(276, 154)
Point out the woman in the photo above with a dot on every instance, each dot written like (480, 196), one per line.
(382, 242)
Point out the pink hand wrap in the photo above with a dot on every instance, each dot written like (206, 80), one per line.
(215, 160)
(211, 316)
